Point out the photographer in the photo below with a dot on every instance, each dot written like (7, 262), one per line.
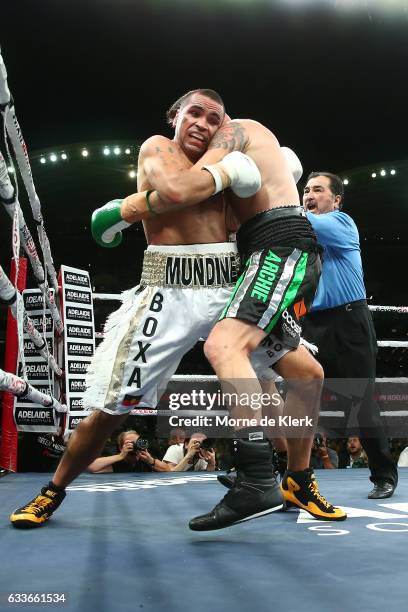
(323, 457)
(127, 460)
(195, 454)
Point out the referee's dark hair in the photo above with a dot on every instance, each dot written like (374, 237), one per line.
(336, 184)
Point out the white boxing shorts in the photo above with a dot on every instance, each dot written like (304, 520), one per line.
(182, 291)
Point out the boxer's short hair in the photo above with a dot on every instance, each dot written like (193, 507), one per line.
(336, 184)
(209, 93)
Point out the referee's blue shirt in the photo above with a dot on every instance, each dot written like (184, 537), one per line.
(341, 281)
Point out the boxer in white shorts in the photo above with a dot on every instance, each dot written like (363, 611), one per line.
(175, 323)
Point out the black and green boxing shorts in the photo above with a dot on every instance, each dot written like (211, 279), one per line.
(278, 282)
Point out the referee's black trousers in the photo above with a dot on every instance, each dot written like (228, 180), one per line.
(348, 350)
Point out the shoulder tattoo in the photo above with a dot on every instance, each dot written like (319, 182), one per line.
(232, 137)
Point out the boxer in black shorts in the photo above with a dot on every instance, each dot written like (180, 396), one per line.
(274, 232)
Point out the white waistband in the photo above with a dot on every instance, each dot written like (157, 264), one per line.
(194, 249)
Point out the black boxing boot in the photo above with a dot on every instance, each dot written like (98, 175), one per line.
(256, 491)
(228, 480)
(279, 465)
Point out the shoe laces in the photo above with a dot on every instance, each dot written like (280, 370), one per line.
(38, 504)
(313, 487)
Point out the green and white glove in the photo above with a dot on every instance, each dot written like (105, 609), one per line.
(107, 224)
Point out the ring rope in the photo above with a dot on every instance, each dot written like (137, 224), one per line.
(10, 200)
(393, 343)
(20, 150)
(213, 378)
(8, 294)
(373, 308)
(22, 389)
(9, 196)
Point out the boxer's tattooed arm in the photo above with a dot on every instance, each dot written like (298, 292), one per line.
(159, 161)
(169, 160)
(232, 137)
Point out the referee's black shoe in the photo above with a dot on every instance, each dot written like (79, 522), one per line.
(382, 489)
(255, 493)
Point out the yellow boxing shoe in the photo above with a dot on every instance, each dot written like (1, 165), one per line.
(300, 489)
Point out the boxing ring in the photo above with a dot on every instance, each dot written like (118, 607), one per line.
(122, 541)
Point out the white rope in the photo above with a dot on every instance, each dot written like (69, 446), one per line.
(12, 205)
(20, 388)
(383, 413)
(393, 343)
(10, 295)
(107, 296)
(396, 309)
(213, 378)
(20, 150)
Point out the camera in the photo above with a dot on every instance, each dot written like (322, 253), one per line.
(207, 444)
(318, 440)
(141, 444)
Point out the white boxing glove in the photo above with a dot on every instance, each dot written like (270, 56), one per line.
(294, 163)
(237, 171)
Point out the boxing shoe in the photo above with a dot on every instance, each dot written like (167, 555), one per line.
(279, 464)
(107, 224)
(300, 489)
(38, 510)
(238, 171)
(228, 480)
(255, 493)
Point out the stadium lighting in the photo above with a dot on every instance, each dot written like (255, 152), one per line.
(392, 172)
(84, 152)
(346, 182)
(132, 174)
(116, 151)
(43, 160)
(374, 174)
(383, 173)
(53, 157)
(106, 151)
(127, 151)
(64, 156)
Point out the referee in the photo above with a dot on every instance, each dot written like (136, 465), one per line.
(340, 322)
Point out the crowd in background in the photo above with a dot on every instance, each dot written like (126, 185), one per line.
(137, 449)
